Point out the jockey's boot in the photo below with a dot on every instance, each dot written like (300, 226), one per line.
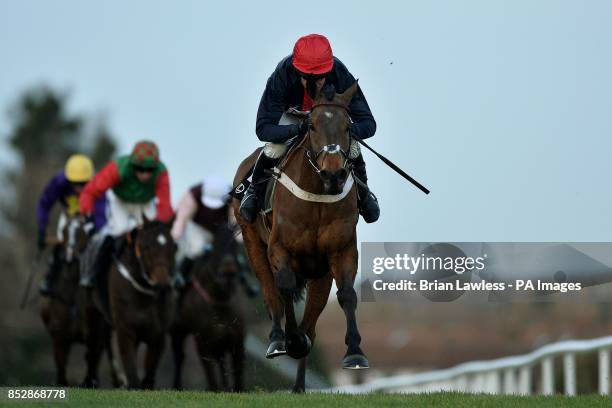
(46, 286)
(250, 204)
(182, 274)
(104, 257)
(367, 201)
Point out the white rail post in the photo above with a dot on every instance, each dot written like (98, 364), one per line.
(478, 384)
(509, 381)
(548, 377)
(461, 384)
(604, 371)
(492, 383)
(525, 380)
(569, 373)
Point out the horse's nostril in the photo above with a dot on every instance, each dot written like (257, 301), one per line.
(325, 174)
(342, 174)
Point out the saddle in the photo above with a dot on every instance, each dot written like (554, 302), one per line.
(271, 181)
(291, 116)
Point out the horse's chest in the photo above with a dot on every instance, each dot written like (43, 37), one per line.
(322, 240)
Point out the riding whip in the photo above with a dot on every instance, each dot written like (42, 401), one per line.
(33, 269)
(394, 167)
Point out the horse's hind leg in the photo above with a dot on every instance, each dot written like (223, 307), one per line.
(95, 327)
(223, 368)
(207, 366)
(178, 353)
(155, 350)
(61, 348)
(316, 299)
(258, 259)
(344, 267)
(237, 356)
(115, 372)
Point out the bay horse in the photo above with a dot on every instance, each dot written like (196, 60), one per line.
(140, 300)
(206, 312)
(310, 237)
(61, 311)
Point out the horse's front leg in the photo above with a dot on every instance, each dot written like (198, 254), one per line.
(297, 343)
(316, 299)
(155, 349)
(343, 267)
(128, 347)
(258, 258)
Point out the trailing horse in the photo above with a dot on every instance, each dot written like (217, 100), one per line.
(140, 301)
(61, 312)
(310, 236)
(205, 312)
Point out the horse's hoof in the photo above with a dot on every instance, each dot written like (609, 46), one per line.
(298, 345)
(298, 390)
(355, 362)
(276, 349)
(89, 383)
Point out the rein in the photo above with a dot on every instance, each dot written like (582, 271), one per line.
(203, 293)
(125, 273)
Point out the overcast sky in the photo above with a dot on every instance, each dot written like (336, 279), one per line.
(503, 109)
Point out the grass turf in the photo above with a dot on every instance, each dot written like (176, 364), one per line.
(108, 398)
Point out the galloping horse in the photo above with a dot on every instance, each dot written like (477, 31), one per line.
(206, 312)
(140, 298)
(312, 235)
(61, 311)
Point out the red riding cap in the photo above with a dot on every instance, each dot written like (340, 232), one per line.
(312, 54)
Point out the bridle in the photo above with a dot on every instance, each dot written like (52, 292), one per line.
(327, 149)
(141, 266)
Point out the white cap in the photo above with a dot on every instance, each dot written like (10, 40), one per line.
(215, 192)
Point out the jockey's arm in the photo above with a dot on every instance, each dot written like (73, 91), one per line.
(105, 179)
(47, 200)
(162, 192)
(271, 108)
(364, 125)
(185, 211)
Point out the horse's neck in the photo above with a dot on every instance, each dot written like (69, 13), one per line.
(68, 281)
(302, 173)
(204, 278)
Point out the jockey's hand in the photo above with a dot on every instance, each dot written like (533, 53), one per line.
(305, 126)
(41, 242)
(90, 225)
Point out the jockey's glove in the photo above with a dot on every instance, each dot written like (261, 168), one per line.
(41, 242)
(300, 129)
(90, 225)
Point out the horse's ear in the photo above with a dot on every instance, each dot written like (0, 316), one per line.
(347, 95)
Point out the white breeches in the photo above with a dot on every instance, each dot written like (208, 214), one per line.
(195, 240)
(123, 216)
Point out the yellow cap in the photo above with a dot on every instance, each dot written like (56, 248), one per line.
(79, 168)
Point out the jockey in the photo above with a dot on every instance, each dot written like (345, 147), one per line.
(65, 187)
(294, 83)
(202, 208)
(135, 185)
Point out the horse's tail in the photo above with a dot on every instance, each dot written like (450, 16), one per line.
(300, 286)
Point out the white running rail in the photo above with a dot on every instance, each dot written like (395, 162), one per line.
(509, 375)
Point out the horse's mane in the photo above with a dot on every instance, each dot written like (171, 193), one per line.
(154, 225)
